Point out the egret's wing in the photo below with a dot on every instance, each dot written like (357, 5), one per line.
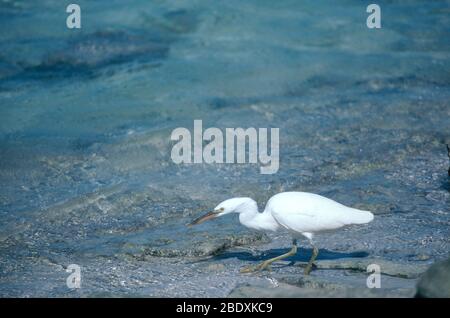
(307, 220)
(308, 212)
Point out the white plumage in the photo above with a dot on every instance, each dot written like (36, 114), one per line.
(300, 213)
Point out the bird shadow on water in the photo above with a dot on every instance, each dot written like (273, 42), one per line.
(303, 255)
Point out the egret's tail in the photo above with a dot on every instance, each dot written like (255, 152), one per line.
(360, 217)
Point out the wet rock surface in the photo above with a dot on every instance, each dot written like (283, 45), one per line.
(402, 270)
(290, 291)
(435, 283)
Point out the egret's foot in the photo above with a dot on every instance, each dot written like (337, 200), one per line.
(311, 261)
(259, 267)
(248, 269)
(308, 269)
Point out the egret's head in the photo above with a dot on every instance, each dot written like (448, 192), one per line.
(234, 205)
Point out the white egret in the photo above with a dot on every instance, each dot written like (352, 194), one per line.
(300, 213)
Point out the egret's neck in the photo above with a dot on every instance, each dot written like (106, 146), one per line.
(247, 209)
(250, 217)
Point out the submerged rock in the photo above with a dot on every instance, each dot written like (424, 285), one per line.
(101, 49)
(396, 269)
(210, 247)
(435, 283)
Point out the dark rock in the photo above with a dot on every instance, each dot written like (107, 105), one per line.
(435, 283)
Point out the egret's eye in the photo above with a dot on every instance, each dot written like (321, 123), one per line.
(221, 209)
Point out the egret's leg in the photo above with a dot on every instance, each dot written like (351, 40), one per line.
(315, 252)
(267, 263)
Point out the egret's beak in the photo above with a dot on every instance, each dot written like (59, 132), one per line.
(205, 217)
